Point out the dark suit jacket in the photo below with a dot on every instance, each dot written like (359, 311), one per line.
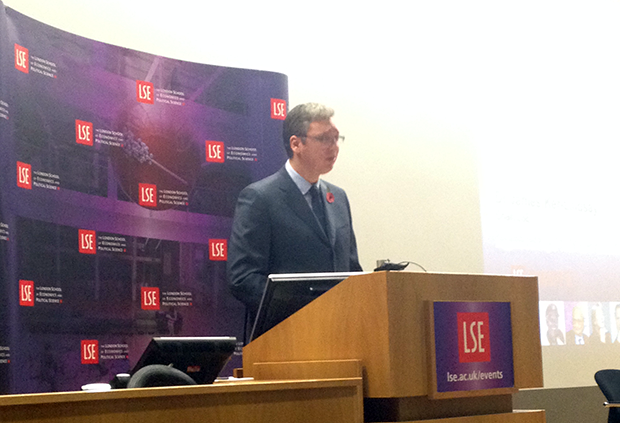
(570, 338)
(275, 231)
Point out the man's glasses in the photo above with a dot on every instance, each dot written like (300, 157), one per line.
(326, 140)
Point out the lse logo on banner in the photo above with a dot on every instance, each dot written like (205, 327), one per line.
(90, 352)
(474, 342)
(26, 293)
(83, 132)
(145, 92)
(278, 109)
(218, 250)
(148, 195)
(215, 151)
(24, 173)
(150, 298)
(88, 241)
(21, 58)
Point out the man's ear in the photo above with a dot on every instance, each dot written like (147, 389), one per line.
(295, 142)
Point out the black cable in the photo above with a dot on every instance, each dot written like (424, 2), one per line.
(388, 265)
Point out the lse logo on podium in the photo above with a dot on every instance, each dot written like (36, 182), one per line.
(24, 174)
(218, 249)
(21, 58)
(148, 195)
(215, 151)
(83, 132)
(90, 351)
(26, 293)
(145, 92)
(150, 298)
(88, 241)
(278, 109)
(473, 333)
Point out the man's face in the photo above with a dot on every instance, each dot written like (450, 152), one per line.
(319, 150)
(552, 317)
(578, 321)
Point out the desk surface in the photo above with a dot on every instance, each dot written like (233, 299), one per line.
(334, 400)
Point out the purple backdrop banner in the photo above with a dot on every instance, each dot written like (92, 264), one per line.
(473, 346)
(119, 176)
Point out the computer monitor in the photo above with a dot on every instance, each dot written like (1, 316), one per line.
(202, 358)
(284, 294)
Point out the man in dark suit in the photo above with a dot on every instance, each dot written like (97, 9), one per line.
(575, 336)
(291, 221)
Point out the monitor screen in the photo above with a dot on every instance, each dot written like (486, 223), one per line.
(202, 358)
(284, 294)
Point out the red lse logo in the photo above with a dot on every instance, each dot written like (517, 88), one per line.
(215, 151)
(21, 58)
(90, 352)
(218, 249)
(474, 342)
(148, 195)
(26, 293)
(83, 132)
(24, 173)
(278, 109)
(145, 92)
(88, 241)
(150, 298)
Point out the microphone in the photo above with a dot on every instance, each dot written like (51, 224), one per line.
(388, 265)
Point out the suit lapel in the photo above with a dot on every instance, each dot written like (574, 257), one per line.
(294, 199)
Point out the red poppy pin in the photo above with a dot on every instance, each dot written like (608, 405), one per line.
(329, 197)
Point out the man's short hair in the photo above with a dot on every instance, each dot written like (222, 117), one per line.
(299, 118)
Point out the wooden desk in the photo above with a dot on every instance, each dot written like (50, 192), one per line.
(330, 400)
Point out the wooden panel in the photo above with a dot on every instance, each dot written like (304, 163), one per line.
(380, 319)
(335, 400)
(348, 322)
(515, 417)
(424, 408)
(300, 370)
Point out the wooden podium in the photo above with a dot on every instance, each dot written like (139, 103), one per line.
(381, 321)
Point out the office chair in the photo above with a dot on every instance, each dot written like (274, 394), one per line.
(608, 381)
(159, 375)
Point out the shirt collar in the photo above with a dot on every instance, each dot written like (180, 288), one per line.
(302, 184)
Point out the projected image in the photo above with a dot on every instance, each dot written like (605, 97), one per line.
(552, 327)
(614, 312)
(579, 323)
(549, 221)
(599, 318)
